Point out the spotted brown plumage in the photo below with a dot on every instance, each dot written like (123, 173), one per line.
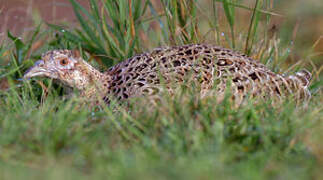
(166, 68)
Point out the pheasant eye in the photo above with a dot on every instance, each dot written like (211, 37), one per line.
(63, 62)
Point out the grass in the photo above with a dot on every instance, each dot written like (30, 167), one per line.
(43, 135)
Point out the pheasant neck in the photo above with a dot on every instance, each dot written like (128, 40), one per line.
(94, 82)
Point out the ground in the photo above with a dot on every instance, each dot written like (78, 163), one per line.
(47, 134)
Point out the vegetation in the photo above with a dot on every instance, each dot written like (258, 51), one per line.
(45, 135)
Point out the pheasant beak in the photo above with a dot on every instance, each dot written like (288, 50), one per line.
(37, 70)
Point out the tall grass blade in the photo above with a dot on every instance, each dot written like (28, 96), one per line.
(230, 15)
(216, 21)
(252, 27)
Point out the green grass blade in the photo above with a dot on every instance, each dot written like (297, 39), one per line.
(89, 31)
(229, 14)
(216, 22)
(252, 27)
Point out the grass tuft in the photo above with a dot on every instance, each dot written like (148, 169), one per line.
(44, 135)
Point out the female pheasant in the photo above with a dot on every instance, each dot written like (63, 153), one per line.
(149, 73)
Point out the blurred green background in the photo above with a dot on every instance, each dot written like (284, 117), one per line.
(304, 18)
(43, 135)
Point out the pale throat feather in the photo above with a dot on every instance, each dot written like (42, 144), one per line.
(93, 85)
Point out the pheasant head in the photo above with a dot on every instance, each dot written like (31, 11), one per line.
(67, 67)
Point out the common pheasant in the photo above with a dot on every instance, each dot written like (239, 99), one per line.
(166, 68)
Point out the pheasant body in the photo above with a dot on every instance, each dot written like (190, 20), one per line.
(147, 74)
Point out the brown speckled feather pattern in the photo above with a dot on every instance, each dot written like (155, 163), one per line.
(208, 65)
